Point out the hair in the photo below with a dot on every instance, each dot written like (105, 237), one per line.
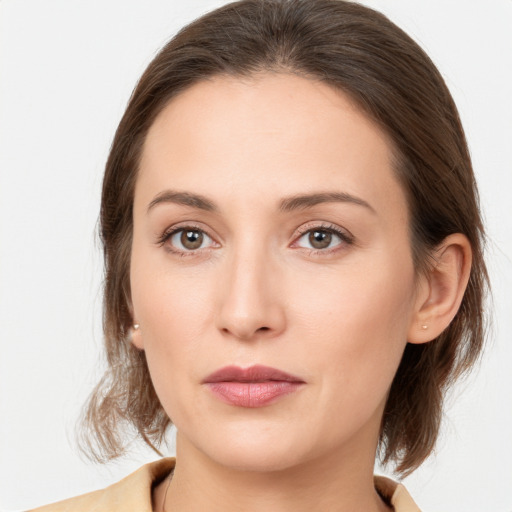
(360, 52)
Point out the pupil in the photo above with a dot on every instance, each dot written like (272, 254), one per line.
(192, 239)
(320, 239)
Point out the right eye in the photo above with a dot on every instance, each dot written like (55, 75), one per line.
(188, 239)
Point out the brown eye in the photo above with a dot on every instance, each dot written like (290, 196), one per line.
(320, 239)
(188, 239)
(191, 239)
(324, 239)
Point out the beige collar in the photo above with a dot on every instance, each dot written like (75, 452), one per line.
(395, 494)
(134, 493)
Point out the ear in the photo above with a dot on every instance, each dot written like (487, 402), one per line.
(135, 336)
(442, 289)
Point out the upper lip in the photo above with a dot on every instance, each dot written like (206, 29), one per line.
(256, 373)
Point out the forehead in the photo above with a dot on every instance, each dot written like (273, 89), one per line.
(264, 134)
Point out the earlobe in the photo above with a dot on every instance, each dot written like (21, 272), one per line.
(442, 290)
(135, 336)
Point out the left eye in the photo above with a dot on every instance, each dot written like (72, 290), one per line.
(319, 239)
(190, 239)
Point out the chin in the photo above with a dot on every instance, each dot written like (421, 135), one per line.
(261, 449)
(257, 459)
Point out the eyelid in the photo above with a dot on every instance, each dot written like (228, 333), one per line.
(170, 231)
(345, 236)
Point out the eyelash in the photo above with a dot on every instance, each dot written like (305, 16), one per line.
(345, 237)
(169, 233)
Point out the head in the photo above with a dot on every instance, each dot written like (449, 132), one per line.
(376, 78)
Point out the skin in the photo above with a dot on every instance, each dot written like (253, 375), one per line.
(256, 291)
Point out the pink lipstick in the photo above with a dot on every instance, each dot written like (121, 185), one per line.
(255, 386)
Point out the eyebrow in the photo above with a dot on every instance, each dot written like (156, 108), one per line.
(303, 202)
(185, 199)
(297, 202)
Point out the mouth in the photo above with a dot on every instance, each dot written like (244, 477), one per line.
(251, 387)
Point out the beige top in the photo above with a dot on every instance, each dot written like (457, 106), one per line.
(133, 493)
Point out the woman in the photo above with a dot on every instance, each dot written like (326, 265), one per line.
(294, 270)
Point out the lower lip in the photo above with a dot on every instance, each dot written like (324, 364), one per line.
(252, 394)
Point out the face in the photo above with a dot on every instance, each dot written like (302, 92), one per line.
(271, 270)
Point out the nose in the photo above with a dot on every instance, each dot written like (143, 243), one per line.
(251, 305)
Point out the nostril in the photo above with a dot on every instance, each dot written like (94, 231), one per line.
(264, 329)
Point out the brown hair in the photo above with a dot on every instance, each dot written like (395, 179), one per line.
(359, 51)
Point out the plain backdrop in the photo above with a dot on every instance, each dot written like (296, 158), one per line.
(67, 68)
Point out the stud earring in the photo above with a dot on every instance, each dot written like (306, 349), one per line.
(131, 331)
(424, 327)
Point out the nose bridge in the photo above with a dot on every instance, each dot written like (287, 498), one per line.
(251, 303)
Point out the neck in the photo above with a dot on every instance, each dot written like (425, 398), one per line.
(335, 482)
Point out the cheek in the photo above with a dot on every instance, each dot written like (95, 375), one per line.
(353, 337)
(174, 310)
(358, 320)
(167, 301)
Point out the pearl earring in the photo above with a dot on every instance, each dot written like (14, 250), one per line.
(131, 331)
(424, 327)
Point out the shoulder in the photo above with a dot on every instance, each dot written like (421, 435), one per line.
(395, 494)
(132, 493)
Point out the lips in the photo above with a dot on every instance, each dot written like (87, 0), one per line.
(255, 386)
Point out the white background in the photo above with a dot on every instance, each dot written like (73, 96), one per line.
(66, 71)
